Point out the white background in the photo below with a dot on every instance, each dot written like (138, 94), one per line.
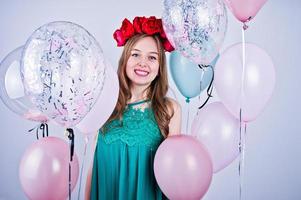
(272, 159)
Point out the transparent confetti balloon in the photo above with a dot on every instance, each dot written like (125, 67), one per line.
(63, 71)
(196, 27)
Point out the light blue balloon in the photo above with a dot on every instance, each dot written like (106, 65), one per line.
(189, 78)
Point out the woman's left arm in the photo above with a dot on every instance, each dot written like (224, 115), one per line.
(175, 121)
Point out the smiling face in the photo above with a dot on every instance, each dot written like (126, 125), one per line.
(143, 64)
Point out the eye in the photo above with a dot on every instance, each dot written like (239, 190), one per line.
(135, 54)
(152, 58)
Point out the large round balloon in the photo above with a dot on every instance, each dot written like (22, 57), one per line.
(44, 169)
(218, 130)
(245, 88)
(12, 88)
(183, 168)
(196, 28)
(63, 71)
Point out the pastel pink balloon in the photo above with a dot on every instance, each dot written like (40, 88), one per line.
(249, 91)
(104, 105)
(216, 128)
(43, 170)
(244, 10)
(183, 168)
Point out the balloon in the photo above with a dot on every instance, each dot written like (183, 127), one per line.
(216, 128)
(104, 105)
(43, 170)
(196, 28)
(189, 78)
(63, 71)
(12, 89)
(183, 168)
(244, 10)
(249, 91)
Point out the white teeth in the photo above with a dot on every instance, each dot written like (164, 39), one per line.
(141, 72)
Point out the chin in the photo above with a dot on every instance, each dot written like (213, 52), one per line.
(141, 83)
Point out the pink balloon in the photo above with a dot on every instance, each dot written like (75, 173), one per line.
(44, 171)
(258, 80)
(216, 128)
(244, 10)
(183, 168)
(104, 105)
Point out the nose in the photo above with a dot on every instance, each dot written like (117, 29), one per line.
(143, 62)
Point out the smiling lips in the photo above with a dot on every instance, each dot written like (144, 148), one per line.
(141, 72)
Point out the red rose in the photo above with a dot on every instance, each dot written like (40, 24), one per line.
(162, 32)
(137, 23)
(119, 38)
(127, 29)
(151, 26)
(167, 46)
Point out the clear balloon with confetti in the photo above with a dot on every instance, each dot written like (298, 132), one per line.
(196, 27)
(63, 70)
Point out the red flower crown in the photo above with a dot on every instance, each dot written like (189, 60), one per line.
(149, 26)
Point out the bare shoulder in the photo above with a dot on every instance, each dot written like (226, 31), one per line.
(174, 105)
(176, 119)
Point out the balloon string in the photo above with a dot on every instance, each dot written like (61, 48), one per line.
(43, 127)
(202, 76)
(187, 122)
(241, 138)
(241, 165)
(210, 87)
(71, 143)
(243, 62)
(240, 157)
(69, 185)
(82, 167)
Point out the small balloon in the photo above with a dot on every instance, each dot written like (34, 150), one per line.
(63, 71)
(196, 28)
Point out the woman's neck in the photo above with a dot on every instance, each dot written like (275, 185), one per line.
(138, 93)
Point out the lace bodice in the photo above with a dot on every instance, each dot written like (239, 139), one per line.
(137, 127)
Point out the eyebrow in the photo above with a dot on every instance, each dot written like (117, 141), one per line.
(149, 52)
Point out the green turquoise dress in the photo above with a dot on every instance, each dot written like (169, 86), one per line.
(124, 157)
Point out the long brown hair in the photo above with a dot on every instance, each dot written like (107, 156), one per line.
(156, 91)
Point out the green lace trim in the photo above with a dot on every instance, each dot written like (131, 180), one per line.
(138, 127)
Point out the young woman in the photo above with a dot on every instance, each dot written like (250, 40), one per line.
(142, 118)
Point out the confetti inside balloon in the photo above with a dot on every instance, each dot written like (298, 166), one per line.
(63, 71)
(196, 27)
